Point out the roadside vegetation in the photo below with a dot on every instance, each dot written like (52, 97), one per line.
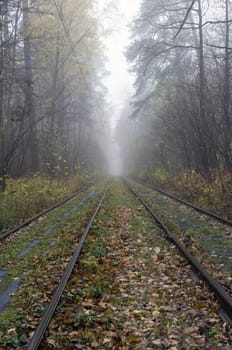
(25, 197)
(179, 120)
(212, 191)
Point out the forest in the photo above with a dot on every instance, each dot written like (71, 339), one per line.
(55, 120)
(115, 174)
(51, 97)
(51, 101)
(181, 131)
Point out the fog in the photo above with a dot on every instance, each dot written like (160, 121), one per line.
(82, 90)
(119, 83)
(178, 116)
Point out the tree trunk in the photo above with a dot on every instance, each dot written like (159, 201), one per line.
(54, 91)
(2, 131)
(202, 95)
(226, 99)
(29, 93)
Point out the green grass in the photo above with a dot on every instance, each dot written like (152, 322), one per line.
(43, 266)
(25, 197)
(212, 191)
(27, 235)
(180, 221)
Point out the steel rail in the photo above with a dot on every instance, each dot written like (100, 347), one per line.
(39, 333)
(222, 296)
(42, 213)
(201, 210)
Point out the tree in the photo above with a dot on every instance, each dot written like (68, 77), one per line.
(49, 87)
(178, 72)
(29, 107)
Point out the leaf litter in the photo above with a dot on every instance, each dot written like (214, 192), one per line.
(212, 264)
(132, 290)
(40, 272)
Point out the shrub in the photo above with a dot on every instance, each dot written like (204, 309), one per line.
(25, 197)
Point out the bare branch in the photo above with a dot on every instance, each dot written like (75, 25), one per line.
(184, 20)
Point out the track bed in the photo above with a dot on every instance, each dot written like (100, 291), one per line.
(131, 290)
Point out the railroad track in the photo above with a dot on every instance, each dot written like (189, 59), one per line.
(39, 333)
(224, 299)
(7, 234)
(210, 232)
(21, 252)
(190, 205)
(220, 293)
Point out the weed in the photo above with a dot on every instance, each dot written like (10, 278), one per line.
(63, 343)
(27, 196)
(84, 320)
(212, 335)
(96, 290)
(99, 251)
(213, 193)
(90, 264)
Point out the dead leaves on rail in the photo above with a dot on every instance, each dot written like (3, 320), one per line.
(133, 291)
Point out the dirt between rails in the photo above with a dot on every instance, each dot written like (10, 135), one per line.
(133, 290)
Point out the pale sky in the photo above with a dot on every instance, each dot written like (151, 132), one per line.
(120, 82)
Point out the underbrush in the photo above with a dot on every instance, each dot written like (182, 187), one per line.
(28, 196)
(212, 191)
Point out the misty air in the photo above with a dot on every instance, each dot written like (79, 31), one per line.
(115, 174)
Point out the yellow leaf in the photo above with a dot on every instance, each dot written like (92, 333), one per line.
(190, 330)
(155, 313)
(133, 339)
